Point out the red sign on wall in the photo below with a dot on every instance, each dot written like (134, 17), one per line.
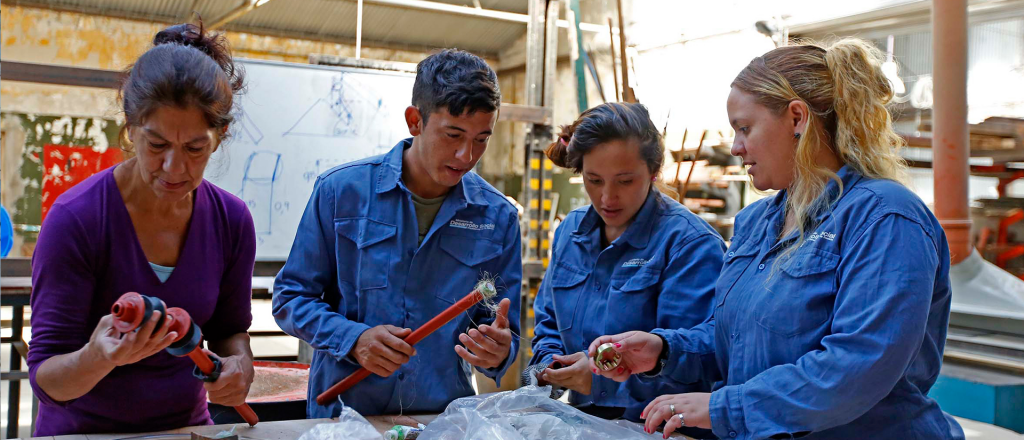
(65, 166)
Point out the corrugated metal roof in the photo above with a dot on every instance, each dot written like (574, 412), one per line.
(329, 20)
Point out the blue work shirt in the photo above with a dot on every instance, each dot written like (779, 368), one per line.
(660, 272)
(355, 264)
(845, 338)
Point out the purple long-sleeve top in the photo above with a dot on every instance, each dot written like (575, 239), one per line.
(87, 256)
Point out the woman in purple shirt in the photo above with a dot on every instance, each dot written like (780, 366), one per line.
(150, 225)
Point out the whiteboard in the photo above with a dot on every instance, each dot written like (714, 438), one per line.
(295, 122)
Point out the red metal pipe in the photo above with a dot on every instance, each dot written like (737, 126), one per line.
(416, 336)
(950, 142)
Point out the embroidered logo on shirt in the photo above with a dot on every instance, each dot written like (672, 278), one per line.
(466, 224)
(830, 236)
(636, 262)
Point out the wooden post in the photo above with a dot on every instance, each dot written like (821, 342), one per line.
(627, 91)
(615, 70)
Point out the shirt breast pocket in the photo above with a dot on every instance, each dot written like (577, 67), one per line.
(465, 255)
(633, 301)
(799, 297)
(737, 259)
(374, 250)
(566, 291)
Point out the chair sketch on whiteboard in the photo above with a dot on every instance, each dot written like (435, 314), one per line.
(262, 170)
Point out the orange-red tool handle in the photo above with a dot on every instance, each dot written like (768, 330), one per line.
(416, 336)
(206, 366)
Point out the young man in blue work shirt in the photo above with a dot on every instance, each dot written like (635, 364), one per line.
(387, 243)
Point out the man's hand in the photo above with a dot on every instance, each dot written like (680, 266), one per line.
(382, 350)
(488, 345)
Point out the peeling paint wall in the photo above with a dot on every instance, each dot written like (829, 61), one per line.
(24, 143)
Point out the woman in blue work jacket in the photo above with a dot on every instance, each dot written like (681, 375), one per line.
(832, 305)
(635, 259)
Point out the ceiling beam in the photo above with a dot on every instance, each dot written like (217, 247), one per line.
(246, 7)
(60, 75)
(902, 16)
(447, 8)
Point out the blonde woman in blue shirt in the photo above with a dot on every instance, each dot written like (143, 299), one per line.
(833, 302)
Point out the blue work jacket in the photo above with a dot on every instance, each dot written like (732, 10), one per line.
(844, 338)
(356, 264)
(660, 272)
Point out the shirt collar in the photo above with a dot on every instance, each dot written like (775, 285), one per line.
(849, 177)
(389, 174)
(638, 233)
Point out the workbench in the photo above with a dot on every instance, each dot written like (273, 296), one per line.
(282, 430)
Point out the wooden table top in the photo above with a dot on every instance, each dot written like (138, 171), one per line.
(282, 430)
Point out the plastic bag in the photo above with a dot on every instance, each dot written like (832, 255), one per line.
(524, 414)
(350, 426)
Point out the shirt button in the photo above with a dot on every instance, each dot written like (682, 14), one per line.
(597, 286)
(732, 434)
(761, 266)
(732, 253)
(604, 393)
(401, 376)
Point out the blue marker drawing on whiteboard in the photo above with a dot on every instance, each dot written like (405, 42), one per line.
(347, 111)
(262, 170)
(245, 125)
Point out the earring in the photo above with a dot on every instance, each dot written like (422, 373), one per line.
(796, 136)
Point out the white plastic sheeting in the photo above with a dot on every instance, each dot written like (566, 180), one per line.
(982, 288)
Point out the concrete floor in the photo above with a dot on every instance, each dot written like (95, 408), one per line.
(286, 345)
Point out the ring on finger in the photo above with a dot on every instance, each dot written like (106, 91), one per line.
(682, 421)
(672, 408)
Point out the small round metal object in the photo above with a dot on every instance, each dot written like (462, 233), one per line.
(607, 357)
(672, 408)
(682, 421)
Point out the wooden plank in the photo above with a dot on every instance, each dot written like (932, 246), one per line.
(60, 75)
(525, 113)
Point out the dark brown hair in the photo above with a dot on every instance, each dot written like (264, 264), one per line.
(608, 122)
(186, 68)
(456, 81)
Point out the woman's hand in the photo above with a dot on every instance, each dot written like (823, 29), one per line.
(575, 375)
(694, 407)
(639, 350)
(116, 349)
(236, 376)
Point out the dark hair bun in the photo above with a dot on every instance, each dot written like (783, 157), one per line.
(212, 44)
(558, 151)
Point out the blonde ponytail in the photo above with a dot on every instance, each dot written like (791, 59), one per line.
(864, 136)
